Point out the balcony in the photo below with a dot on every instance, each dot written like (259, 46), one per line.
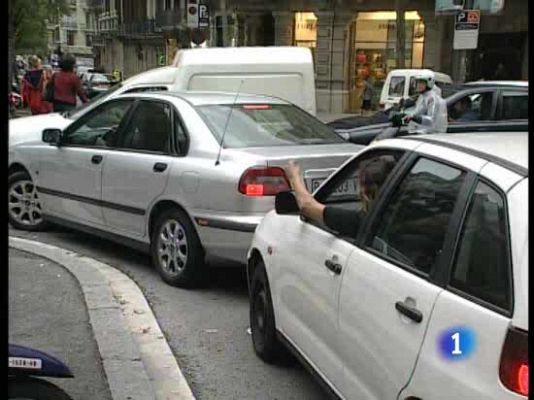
(94, 3)
(107, 22)
(168, 19)
(138, 28)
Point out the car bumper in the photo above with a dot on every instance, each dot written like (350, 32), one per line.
(227, 236)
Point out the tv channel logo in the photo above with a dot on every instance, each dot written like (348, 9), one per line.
(457, 343)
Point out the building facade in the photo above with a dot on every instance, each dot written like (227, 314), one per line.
(351, 40)
(73, 33)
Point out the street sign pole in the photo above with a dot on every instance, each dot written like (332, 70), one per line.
(461, 57)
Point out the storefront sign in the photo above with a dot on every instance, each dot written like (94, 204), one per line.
(466, 28)
(444, 7)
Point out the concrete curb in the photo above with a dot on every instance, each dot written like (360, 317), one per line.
(136, 357)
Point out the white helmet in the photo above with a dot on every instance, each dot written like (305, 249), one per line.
(426, 75)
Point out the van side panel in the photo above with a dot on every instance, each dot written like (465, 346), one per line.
(289, 87)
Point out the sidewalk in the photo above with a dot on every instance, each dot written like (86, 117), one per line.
(68, 304)
(47, 312)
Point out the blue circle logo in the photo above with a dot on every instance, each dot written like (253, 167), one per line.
(457, 343)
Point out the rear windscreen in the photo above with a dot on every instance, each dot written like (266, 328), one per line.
(261, 125)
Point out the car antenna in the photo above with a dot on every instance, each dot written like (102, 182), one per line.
(218, 160)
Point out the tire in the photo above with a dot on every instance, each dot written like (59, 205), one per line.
(262, 322)
(35, 389)
(179, 263)
(24, 209)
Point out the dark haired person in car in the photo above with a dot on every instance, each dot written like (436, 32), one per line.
(371, 176)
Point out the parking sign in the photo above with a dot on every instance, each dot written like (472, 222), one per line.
(203, 16)
(466, 28)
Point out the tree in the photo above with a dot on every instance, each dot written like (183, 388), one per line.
(27, 25)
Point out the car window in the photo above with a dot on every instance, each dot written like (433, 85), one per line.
(472, 107)
(98, 99)
(261, 125)
(514, 105)
(99, 128)
(147, 89)
(396, 86)
(99, 78)
(412, 91)
(180, 134)
(350, 194)
(149, 128)
(411, 228)
(482, 266)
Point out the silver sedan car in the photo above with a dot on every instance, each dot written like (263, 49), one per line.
(179, 175)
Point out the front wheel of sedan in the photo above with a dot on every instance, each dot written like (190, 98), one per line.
(24, 208)
(176, 250)
(262, 324)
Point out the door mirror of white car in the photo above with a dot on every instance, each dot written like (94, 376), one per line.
(286, 203)
(52, 136)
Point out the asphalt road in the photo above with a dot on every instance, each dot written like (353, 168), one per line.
(206, 328)
(47, 312)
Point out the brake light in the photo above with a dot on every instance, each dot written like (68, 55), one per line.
(513, 370)
(381, 105)
(263, 181)
(256, 107)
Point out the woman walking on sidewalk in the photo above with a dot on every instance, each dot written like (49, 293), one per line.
(33, 85)
(67, 86)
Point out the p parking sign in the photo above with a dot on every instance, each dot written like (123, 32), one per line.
(466, 28)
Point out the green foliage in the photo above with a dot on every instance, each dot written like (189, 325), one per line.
(29, 19)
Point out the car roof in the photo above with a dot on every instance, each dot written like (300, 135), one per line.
(498, 83)
(508, 149)
(198, 98)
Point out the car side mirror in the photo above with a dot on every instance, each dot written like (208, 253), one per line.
(53, 136)
(286, 203)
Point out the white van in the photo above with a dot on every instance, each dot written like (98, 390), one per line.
(284, 72)
(400, 83)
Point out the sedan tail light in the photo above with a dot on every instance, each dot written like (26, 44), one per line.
(513, 370)
(381, 105)
(263, 181)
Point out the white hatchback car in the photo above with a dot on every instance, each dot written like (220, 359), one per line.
(427, 298)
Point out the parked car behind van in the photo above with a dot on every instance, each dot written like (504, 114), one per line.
(400, 83)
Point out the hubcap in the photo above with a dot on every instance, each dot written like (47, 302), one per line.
(172, 247)
(23, 203)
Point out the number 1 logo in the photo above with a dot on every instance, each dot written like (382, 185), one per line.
(457, 343)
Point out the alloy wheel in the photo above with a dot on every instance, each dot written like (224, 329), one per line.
(23, 203)
(172, 247)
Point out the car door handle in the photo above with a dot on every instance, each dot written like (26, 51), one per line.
(411, 312)
(159, 167)
(333, 266)
(96, 159)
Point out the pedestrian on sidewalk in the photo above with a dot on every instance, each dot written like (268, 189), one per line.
(367, 95)
(67, 86)
(33, 85)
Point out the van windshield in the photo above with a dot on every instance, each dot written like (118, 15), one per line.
(265, 125)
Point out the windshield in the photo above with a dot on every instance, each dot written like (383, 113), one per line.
(265, 125)
(77, 112)
(99, 78)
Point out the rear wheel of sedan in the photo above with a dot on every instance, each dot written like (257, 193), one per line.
(262, 324)
(176, 250)
(24, 208)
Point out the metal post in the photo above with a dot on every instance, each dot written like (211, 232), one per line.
(462, 56)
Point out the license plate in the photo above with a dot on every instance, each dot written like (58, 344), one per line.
(347, 187)
(25, 363)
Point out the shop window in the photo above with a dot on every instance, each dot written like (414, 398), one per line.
(306, 31)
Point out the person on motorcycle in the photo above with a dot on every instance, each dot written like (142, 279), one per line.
(430, 113)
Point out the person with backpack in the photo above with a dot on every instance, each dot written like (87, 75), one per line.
(33, 85)
(66, 86)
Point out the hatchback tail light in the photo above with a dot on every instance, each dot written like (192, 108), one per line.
(513, 370)
(263, 181)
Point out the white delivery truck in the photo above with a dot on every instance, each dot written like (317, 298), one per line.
(284, 72)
